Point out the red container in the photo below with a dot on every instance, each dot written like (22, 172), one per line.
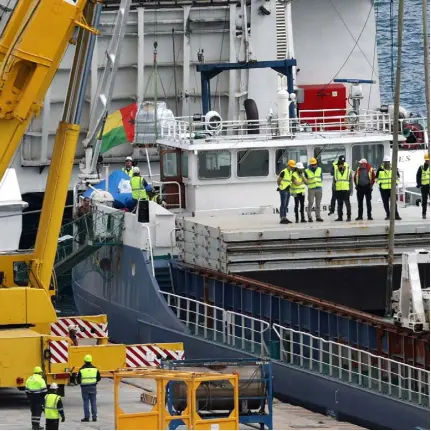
(323, 106)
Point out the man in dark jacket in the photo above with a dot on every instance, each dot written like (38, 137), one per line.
(88, 377)
(423, 183)
(364, 179)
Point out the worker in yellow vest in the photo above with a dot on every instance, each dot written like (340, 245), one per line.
(343, 185)
(35, 388)
(88, 377)
(298, 191)
(423, 183)
(384, 181)
(139, 186)
(315, 184)
(53, 408)
(128, 168)
(284, 182)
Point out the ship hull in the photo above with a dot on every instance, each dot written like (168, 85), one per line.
(138, 313)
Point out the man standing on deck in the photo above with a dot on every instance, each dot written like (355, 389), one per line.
(343, 184)
(139, 187)
(384, 181)
(35, 388)
(88, 377)
(314, 175)
(284, 181)
(128, 168)
(334, 194)
(423, 183)
(364, 179)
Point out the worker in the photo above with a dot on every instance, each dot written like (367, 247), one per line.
(384, 181)
(139, 186)
(343, 184)
(364, 179)
(128, 168)
(88, 377)
(284, 182)
(53, 408)
(423, 183)
(35, 388)
(334, 195)
(155, 197)
(73, 332)
(297, 189)
(84, 224)
(314, 176)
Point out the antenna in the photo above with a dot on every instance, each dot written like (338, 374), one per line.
(355, 92)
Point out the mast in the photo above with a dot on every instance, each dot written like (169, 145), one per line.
(426, 66)
(390, 272)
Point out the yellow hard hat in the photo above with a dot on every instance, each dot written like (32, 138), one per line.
(37, 370)
(88, 358)
(426, 156)
(313, 161)
(291, 163)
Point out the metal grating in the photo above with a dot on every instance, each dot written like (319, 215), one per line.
(280, 19)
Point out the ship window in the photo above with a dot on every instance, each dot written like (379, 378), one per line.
(328, 155)
(282, 156)
(185, 164)
(372, 152)
(170, 166)
(253, 163)
(214, 164)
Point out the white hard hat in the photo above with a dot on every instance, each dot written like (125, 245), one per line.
(299, 165)
(136, 170)
(53, 386)
(386, 159)
(363, 161)
(129, 159)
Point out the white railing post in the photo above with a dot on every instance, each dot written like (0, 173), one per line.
(150, 246)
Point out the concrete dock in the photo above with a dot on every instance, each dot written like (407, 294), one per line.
(15, 412)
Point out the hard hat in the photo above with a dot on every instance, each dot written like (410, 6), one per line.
(313, 161)
(53, 386)
(426, 156)
(88, 358)
(299, 165)
(341, 159)
(363, 161)
(129, 159)
(73, 328)
(136, 170)
(291, 163)
(386, 159)
(37, 370)
(149, 188)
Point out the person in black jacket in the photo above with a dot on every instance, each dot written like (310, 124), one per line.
(423, 183)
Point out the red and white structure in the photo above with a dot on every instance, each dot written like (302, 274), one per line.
(59, 352)
(150, 355)
(86, 329)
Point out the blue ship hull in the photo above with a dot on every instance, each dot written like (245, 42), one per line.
(138, 313)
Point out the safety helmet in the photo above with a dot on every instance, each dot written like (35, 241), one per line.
(363, 161)
(291, 163)
(73, 328)
(386, 159)
(136, 170)
(88, 358)
(299, 165)
(426, 156)
(129, 159)
(53, 386)
(341, 159)
(313, 161)
(37, 370)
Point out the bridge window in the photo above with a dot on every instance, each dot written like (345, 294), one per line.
(372, 152)
(328, 155)
(282, 156)
(253, 163)
(214, 164)
(170, 165)
(185, 164)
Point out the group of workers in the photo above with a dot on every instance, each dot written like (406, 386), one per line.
(295, 179)
(49, 401)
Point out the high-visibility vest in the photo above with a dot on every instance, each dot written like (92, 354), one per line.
(35, 384)
(314, 178)
(370, 175)
(88, 376)
(425, 179)
(138, 190)
(286, 181)
(51, 406)
(384, 180)
(128, 172)
(342, 180)
(294, 189)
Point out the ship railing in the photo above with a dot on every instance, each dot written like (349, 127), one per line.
(357, 367)
(335, 122)
(214, 323)
(166, 195)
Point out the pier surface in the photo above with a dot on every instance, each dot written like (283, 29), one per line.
(15, 412)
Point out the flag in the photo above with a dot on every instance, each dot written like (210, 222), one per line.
(119, 127)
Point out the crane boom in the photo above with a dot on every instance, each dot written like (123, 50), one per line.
(31, 48)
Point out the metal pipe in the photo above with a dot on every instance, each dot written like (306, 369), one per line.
(390, 272)
(426, 65)
(175, 72)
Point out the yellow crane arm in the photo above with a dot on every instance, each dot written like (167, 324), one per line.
(31, 48)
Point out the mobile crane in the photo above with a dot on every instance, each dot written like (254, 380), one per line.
(31, 48)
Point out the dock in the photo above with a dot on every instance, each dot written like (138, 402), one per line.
(15, 412)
